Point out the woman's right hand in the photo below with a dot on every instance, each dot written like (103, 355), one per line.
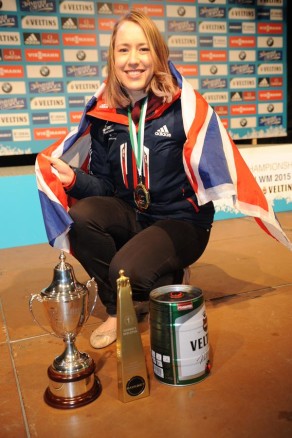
(66, 174)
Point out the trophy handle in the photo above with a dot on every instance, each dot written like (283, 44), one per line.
(40, 300)
(88, 285)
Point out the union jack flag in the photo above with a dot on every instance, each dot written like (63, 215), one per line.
(212, 163)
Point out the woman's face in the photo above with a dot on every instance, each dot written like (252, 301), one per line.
(133, 60)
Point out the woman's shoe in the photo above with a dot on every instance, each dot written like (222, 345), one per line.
(105, 334)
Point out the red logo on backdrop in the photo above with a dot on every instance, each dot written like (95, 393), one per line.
(276, 81)
(243, 109)
(120, 8)
(242, 41)
(221, 110)
(224, 123)
(106, 24)
(270, 95)
(249, 95)
(36, 55)
(12, 55)
(75, 117)
(218, 55)
(48, 133)
(151, 10)
(73, 39)
(50, 39)
(187, 70)
(86, 23)
(11, 71)
(274, 28)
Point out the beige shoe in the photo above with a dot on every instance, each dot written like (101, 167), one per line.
(105, 334)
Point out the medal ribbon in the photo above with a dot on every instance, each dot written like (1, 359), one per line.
(137, 141)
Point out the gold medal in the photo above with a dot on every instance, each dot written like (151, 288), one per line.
(141, 197)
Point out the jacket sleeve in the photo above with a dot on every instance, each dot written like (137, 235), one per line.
(98, 181)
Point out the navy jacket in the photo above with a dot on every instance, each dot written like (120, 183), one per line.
(113, 170)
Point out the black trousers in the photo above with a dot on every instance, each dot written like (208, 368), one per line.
(106, 237)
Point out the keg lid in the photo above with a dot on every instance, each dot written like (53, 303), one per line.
(175, 293)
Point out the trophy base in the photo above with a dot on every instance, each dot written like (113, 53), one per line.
(69, 391)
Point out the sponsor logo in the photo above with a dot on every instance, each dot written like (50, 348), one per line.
(12, 87)
(181, 26)
(221, 110)
(50, 39)
(73, 7)
(48, 102)
(270, 55)
(216, 97)
(86, 23)
(106, 24)
(39, 22)
(38, 6)
(208, 55)
(45, 55)
(40, 118)
(187, 70)
(276, 81)
(75, 101)
(32, 39)
(182, 41)
(270, 42)
(120, 8)
(17, 119)
(243, 83)
(242, 41)
(212, 12)
(151, 10)
(242, 55)
(21, 135)
(242, 69)
(11, 54)
(44, 71)
(270, 95)
(273, 28)
(46, 87)
(75, 117)
(6, 135)
(268, 108)
(11, 71)
(213, 27)
(242, 109)
(71, 55)
(181, 11)
(241, 123)
(58, 118)
(213, 69)
(81, 71)
(13, 103)
(242, 13)
(10, 38)
(270, 69)
(48, 133)
(270, 121)
(163, 132)
(82, 86)
(213, 83)
(70, 39)
(8, 21)
(104, 8)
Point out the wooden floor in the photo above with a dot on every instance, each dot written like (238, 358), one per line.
(246, 278)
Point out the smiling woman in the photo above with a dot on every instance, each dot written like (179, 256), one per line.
(149, 158)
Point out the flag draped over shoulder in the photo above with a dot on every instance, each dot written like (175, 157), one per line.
(212, 163)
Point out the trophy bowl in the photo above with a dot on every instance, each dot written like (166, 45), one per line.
(72, 379)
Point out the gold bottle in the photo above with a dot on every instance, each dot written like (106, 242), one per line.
(133, 380)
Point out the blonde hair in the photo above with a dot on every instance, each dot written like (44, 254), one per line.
(162, 83)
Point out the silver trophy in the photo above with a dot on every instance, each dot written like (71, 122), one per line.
(72, 381)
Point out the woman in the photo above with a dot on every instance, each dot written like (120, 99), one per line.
(137, 210)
